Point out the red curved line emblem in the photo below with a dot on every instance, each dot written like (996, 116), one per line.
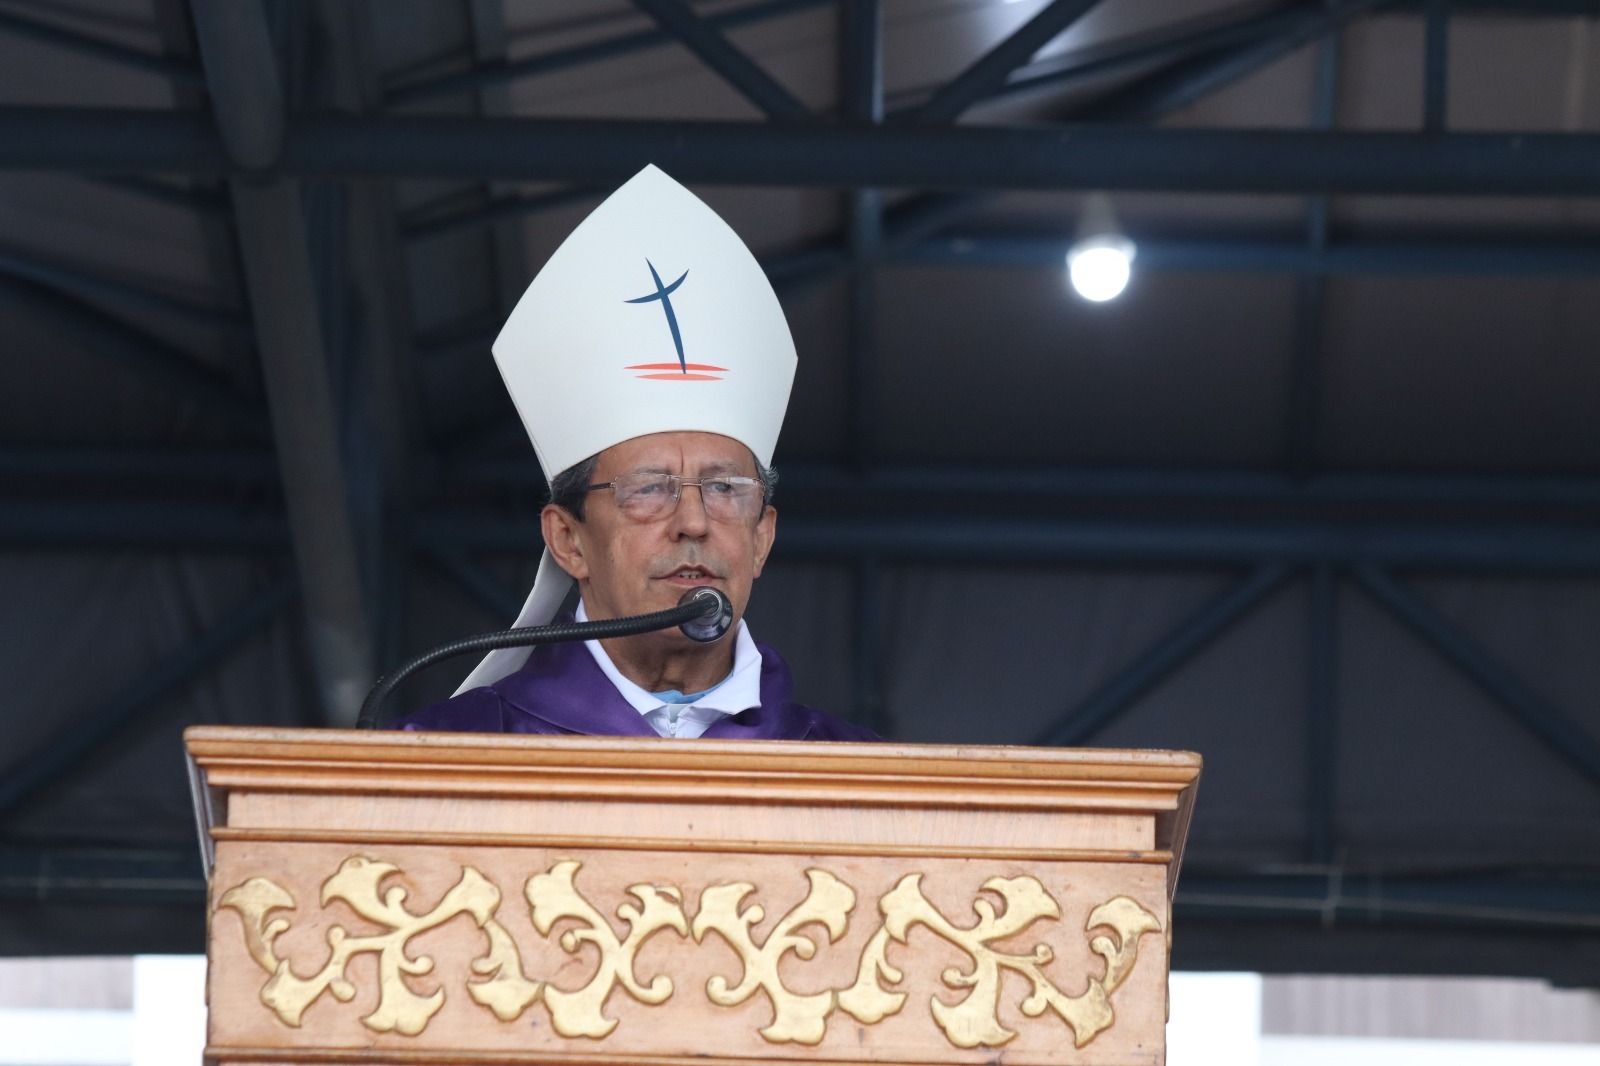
(675, 372)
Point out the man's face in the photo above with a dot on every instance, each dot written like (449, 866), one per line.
(626, 566)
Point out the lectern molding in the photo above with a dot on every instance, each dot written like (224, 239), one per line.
(411, 898)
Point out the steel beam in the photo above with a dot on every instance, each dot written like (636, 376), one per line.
(1536, 901)
(188, 467)
(728, 62)
(1322, 722)
(1526, 902)
(1177, 647)
(111, 141)
(1304, 407)
(861, 95)
(274, 242)
(1520, 8)
(1490, 547)
(242, 78)
(483, 76)
(1436, 66)
(861, 60)
(151, 526)
(925, 487)
(363, 283)
(273, 238)
(506, 239)
(739, 153)
(83, 734)
(1566, 738)
(992, 69)
(130, 877)
(865, 208)
(1483, 495)
(1260, 161)
(1429, 257)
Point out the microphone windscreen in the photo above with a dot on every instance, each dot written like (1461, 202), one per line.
(713, 624)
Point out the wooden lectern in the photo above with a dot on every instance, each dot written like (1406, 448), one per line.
(441, 898)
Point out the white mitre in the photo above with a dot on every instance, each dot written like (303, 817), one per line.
(651, 317)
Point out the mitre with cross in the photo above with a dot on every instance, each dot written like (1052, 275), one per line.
(651, 317)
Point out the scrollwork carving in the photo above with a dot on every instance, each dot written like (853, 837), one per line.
(554, 896)
(358, 883)
(500, 983)
(798, 1018)
(975, 1020)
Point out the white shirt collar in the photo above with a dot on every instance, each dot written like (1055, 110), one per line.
(739, 691)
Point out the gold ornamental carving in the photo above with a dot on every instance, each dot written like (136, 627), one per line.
(801, 1019)
(975, 1020)
(358, 883)
(553, 896)
(375, 891)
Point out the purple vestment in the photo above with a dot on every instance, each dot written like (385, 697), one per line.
(562, 689)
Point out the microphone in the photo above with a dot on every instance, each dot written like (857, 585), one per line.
(704, 614)
(715, 617)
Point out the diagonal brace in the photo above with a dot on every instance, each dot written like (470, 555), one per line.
(484, 76)
(715, 50)
(1205, 75)
(1166, 655)
(990, 72)
(1534, 712)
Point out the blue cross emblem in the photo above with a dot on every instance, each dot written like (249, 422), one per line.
(664, 294)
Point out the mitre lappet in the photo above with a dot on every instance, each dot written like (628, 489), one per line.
(651, 317)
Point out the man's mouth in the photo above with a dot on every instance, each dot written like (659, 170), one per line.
(691, 576)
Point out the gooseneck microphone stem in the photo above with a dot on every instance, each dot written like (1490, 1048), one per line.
(700, 603)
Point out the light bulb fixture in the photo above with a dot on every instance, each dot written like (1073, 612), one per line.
(1100, 261)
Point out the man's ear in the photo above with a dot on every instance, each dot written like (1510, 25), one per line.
(766, 532)
(563, 536)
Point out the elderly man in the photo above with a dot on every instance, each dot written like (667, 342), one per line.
(663, 482)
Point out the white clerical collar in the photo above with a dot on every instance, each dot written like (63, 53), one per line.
(739, 691)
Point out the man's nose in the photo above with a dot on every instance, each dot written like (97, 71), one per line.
(690, 514)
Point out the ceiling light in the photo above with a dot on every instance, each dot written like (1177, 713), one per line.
(1100, 261)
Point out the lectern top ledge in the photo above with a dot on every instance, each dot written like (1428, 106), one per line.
(456, 898)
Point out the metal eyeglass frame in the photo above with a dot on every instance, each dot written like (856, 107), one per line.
(681, 482)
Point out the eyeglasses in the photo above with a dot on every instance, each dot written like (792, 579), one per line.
(644, 497)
